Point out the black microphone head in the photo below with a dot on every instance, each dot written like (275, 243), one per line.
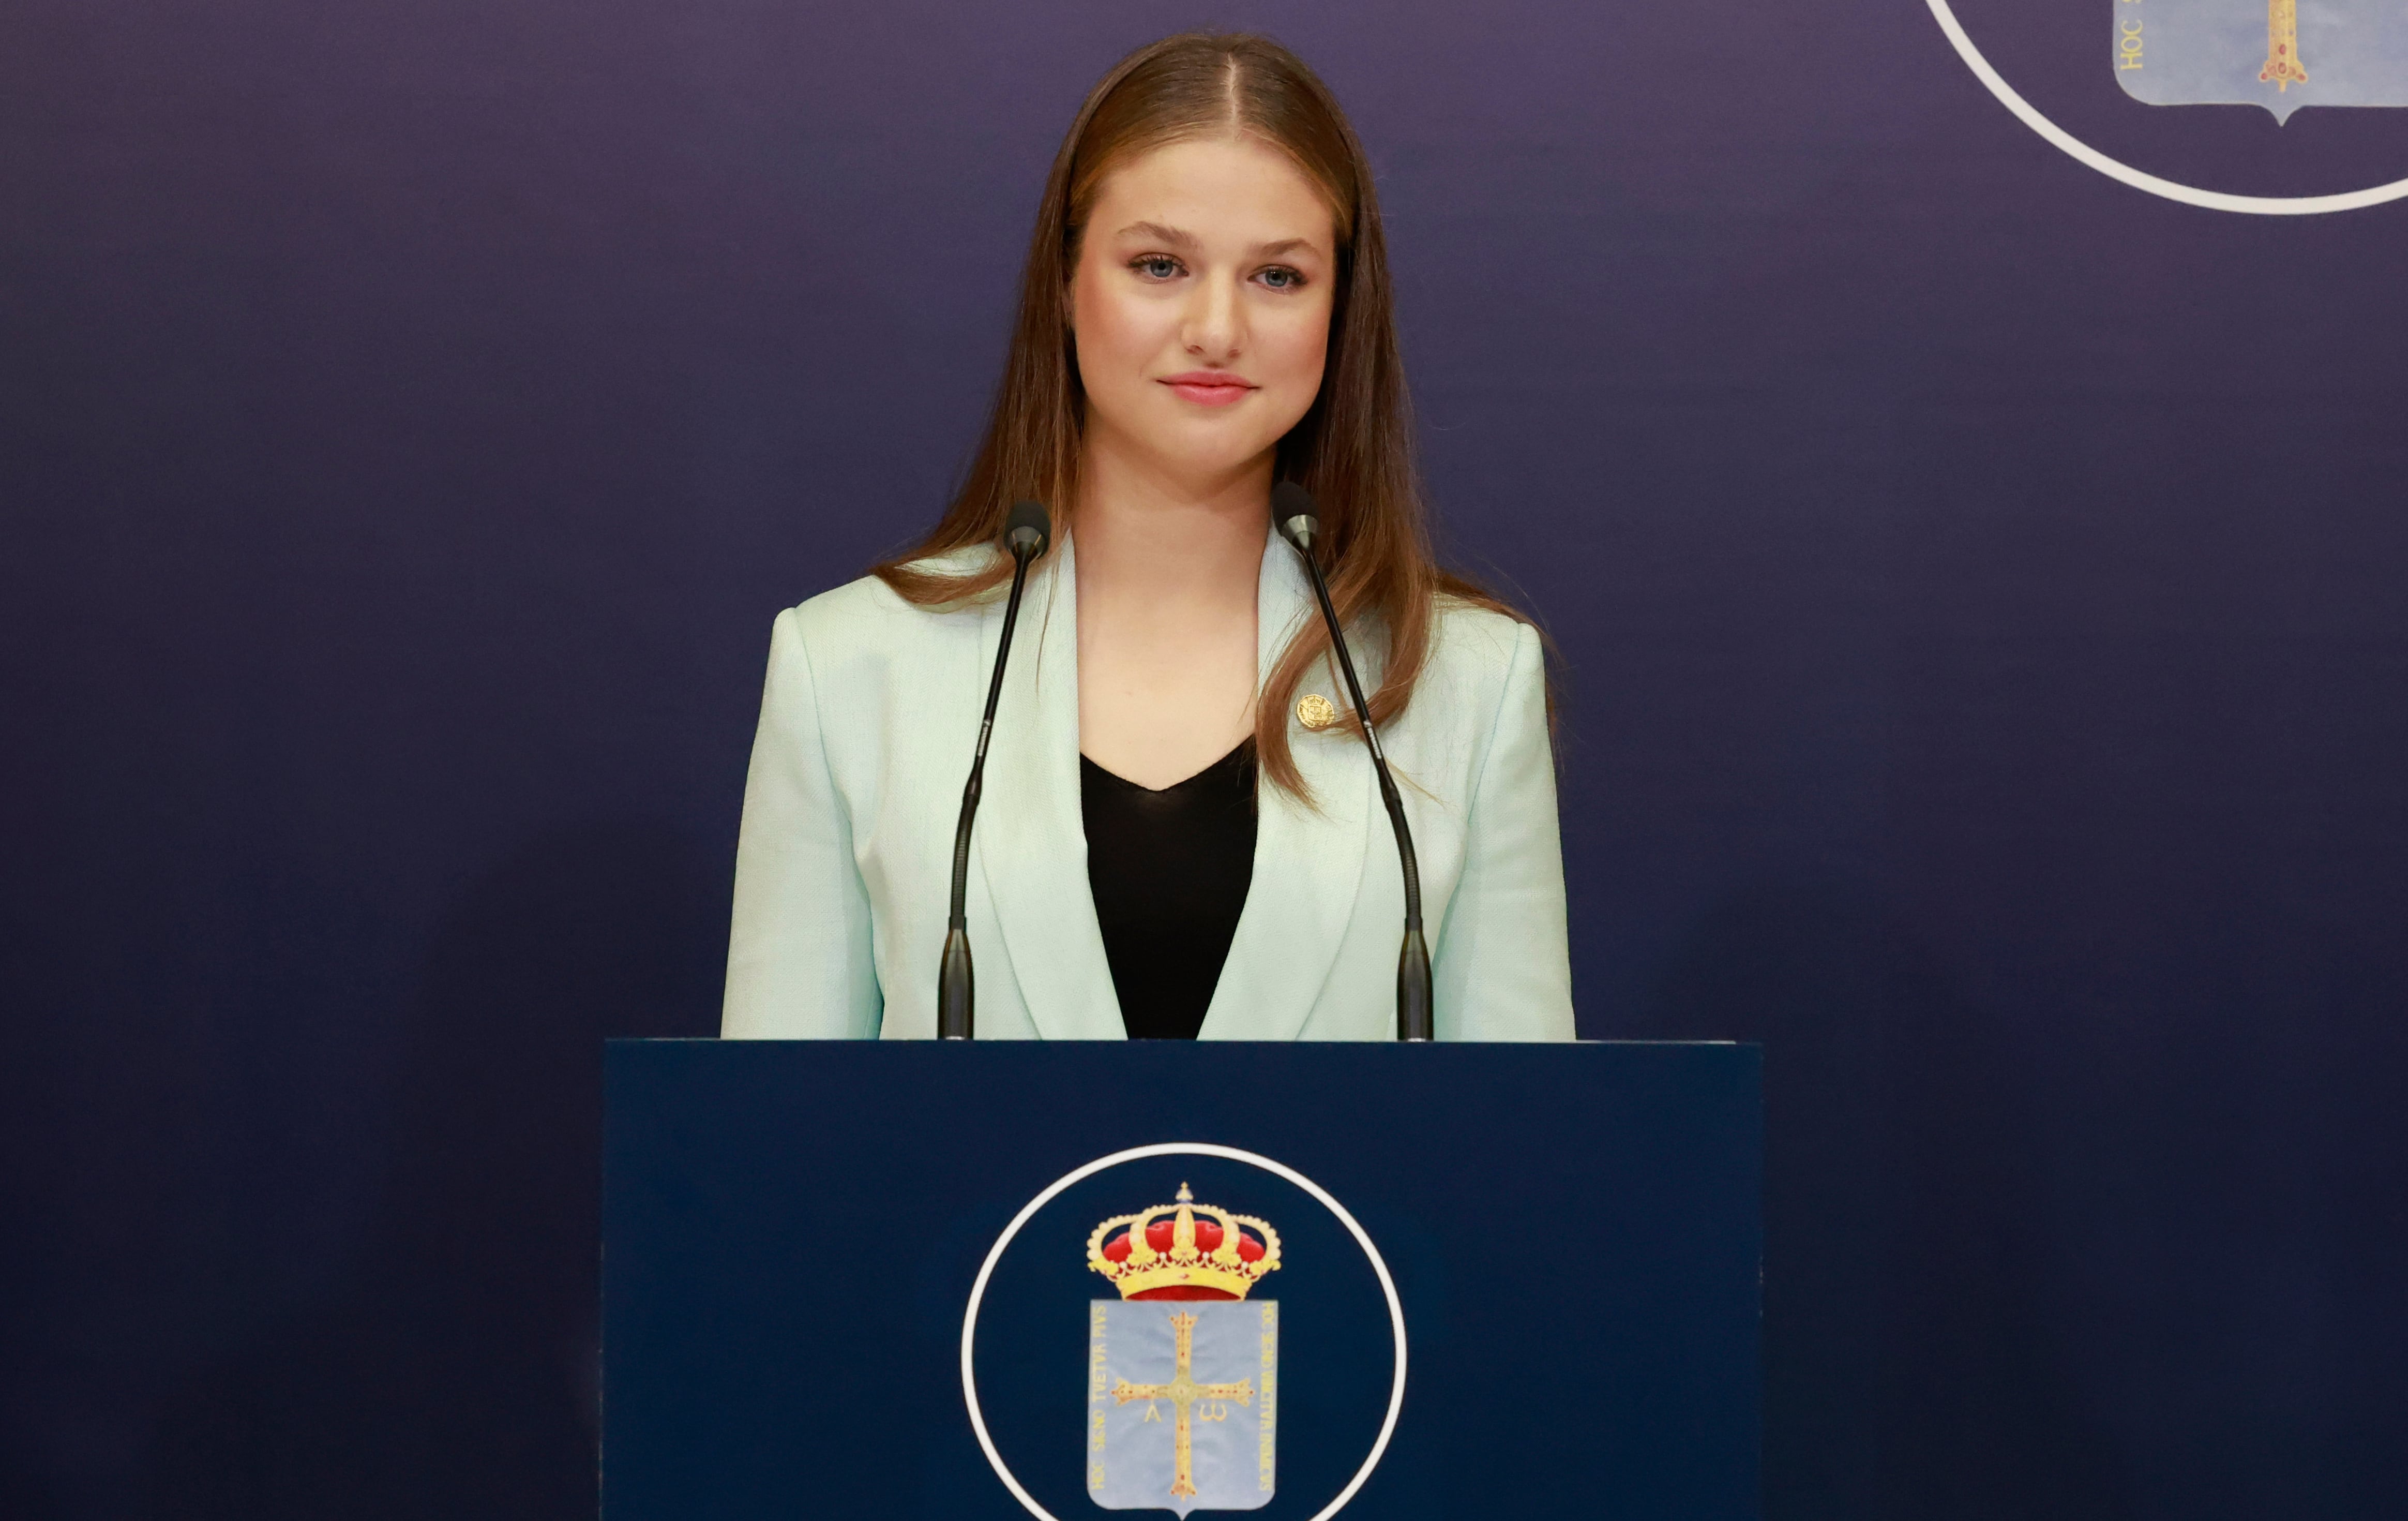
(1293, 513)
(1029, 528)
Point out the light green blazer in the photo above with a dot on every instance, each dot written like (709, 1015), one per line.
(867, 722)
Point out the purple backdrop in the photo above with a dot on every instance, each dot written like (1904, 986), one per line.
(1980, 587)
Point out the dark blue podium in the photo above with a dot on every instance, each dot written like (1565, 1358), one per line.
(877, 1279)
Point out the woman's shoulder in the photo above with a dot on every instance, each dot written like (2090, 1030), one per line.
(1474, 642)
(867, 616)
(1483, 669)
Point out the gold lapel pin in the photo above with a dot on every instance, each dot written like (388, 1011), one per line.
(1316, 711)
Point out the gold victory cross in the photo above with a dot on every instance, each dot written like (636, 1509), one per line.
(2282, 46)
(1183, 1391)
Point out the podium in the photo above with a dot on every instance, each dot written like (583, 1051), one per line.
(880, 1279)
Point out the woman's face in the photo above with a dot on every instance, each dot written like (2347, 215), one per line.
(1201, 305)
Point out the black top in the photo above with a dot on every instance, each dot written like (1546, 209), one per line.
(1169, 870)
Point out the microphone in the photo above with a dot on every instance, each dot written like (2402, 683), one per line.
(1299, 523)
(1027, 533)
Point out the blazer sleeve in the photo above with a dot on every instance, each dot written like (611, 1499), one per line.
(799, 961)
(1504, 965)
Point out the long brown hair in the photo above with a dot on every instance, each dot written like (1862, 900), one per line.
(1352, 450)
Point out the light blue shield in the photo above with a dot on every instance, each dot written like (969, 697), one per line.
(2280, 54)
(1181, 1403)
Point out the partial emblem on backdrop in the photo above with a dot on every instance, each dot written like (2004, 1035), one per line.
(2280, 54)
(1183, 1369)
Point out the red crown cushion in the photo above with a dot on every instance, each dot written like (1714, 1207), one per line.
(1208, 1239)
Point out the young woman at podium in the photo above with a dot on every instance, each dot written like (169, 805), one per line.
(1180, 834)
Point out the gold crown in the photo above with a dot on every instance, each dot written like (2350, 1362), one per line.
(1166, 1253)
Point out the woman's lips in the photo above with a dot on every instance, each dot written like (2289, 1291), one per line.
(1207, 388)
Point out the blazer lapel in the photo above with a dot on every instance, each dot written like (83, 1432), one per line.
(1308, 865)
(1032, 843)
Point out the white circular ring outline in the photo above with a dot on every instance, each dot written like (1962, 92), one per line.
(2214, 200)
(1176, 1148)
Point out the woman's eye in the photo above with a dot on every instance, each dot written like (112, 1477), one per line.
(1155, 265)
(1280, 277)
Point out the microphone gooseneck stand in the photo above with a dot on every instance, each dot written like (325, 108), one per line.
(1025, 534)
(1300, 523)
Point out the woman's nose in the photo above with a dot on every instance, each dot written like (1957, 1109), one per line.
(1215, 326)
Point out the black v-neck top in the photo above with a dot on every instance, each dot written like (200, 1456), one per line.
(1169, 870)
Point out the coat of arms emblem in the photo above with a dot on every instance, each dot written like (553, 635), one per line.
(1183, 1369)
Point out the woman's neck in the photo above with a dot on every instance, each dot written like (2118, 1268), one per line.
(1151, 536)
(1167, 571)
